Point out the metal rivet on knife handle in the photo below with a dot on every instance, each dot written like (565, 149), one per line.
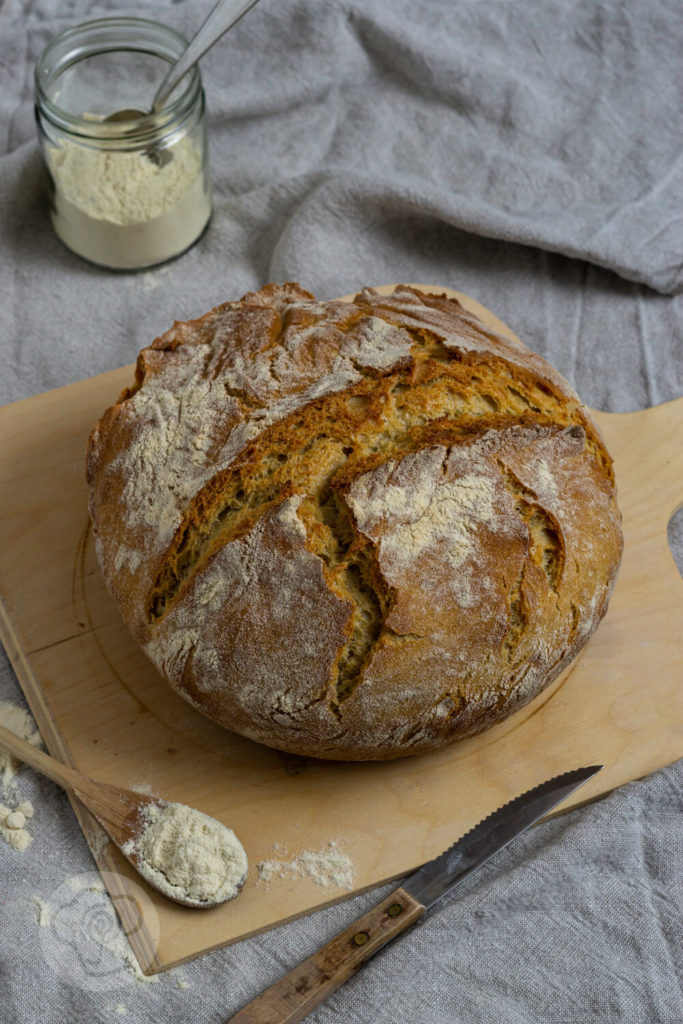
(298, 993)
(292, 998)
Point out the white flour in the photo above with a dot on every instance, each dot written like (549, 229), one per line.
(329, 867)
(89, 909)
(236, 569)
(20, 722)
(141, 786)
(42, 911)
(422, 509)
(189, 855)
(12, 829)
(122, 209)
(13, 819)
(98, 842)
(188, 428)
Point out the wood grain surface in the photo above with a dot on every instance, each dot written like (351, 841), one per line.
(102, 707)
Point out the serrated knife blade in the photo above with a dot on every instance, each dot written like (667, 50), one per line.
(437, 877)
(293, 997)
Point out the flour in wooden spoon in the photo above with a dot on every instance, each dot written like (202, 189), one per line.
(188, 855)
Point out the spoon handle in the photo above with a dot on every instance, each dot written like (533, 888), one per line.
(46, 765)
(223, 16)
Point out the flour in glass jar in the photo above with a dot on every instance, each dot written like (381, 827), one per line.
(125, 209)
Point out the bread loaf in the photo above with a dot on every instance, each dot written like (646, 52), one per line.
(353, 530)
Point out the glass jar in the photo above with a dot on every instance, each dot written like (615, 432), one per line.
(124, 194)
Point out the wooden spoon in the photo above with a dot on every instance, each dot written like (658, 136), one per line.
(119, 811)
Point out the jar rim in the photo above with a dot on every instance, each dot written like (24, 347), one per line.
(127, 132)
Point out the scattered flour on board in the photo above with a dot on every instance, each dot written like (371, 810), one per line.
(140, 786)
(329, 867)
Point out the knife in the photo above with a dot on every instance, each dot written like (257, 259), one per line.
(299, 992)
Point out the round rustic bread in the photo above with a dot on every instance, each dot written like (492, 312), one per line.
(353, 530)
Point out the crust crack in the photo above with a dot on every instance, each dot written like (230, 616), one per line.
(517, 617)
(546, 543)
(349, 431)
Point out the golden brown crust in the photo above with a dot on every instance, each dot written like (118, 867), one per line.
(353, 530)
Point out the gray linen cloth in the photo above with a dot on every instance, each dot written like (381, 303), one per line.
(528, 154)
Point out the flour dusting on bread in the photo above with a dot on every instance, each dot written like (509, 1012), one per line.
(353, 530)
(425, 512)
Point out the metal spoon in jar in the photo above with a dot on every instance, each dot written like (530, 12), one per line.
(222, 17)
(126, 816)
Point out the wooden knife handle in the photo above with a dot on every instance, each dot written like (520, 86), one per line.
(299, 992)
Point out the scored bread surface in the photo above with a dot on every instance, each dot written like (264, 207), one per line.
(353, 530)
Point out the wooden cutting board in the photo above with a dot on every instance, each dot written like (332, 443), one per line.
(102, 707)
